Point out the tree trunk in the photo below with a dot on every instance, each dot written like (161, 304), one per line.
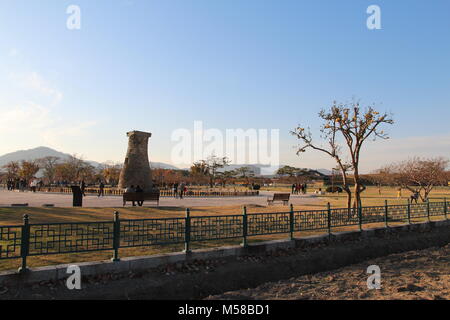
(357, 188)
(349, 201)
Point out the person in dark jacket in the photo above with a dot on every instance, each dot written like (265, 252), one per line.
(83, 187)
(101, 189)
(139, 190)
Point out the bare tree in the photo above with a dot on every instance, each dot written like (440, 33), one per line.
(245, 173)
(420, 175)
(74, 169)
(28, 170)
(48, 164)
(352, 125)
(110, 172)
(381, 177)
(209, 167)
(12, 169)
(225, 176)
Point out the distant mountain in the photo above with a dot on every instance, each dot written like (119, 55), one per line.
(161, 165)
(31, 154)
(42, 152)
(324, 171)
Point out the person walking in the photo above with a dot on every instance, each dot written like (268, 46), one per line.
(101, 189)
(415, 197)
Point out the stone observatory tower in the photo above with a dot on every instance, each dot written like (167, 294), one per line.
(136, 169)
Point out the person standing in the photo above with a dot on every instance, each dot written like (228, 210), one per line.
(22, 185)
(175, 190)
(181, 187)
(83, 188)
(33, 185)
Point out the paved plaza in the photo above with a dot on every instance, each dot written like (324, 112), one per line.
(65, 200)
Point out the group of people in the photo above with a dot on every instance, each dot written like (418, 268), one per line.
(298, 188)
(101, 188)
(22, 185)
(132, 189)
(179, 190)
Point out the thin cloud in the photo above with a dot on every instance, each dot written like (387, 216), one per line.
(35, 82)
(31, 115)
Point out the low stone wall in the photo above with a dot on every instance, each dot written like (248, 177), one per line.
(307, 255)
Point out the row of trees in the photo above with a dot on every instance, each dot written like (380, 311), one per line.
(208, 170)
(416, 175)
(56, 170)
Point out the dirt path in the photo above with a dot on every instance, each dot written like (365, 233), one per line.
(422, 274)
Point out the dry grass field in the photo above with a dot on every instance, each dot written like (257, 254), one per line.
(13, 216)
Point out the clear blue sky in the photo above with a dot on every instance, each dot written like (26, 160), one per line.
(161, 65)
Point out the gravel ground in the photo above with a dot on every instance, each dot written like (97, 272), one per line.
(422, 274)
(65, 200)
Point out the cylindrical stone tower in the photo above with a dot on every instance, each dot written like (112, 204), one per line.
(136, 169)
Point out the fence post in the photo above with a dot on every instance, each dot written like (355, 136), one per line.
(25, 243)
(116, 236)
(445, 208)
(409, 211)
(291, 222)
(428, 210)
(360, 222)
(187, 232)
(329, 218)
(244, 227)
(386, 212)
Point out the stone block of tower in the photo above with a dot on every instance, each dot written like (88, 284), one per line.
(136, 168)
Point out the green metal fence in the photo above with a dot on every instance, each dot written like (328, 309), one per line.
(28, 240)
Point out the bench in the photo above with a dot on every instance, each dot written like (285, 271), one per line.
(140, 196)
(279, 197)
